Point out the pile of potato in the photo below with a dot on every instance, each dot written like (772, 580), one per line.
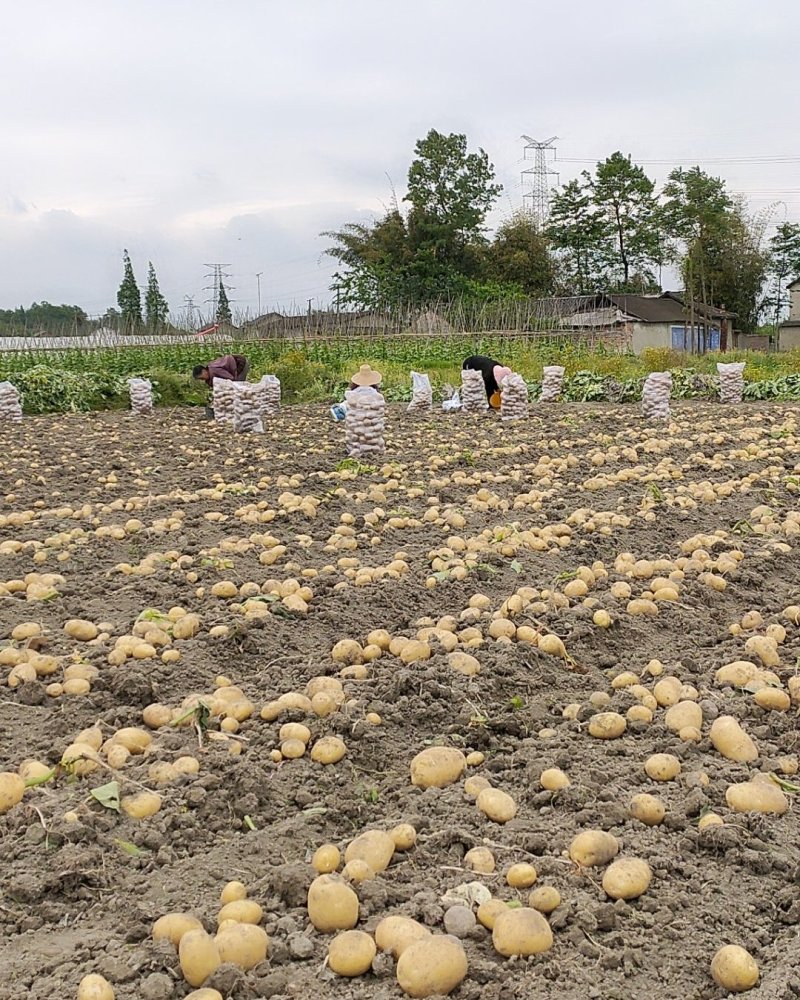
(223, 396)
(141, 393)
(552, 379)
(270, 395)
(10, 403)
(473, 392)
(513, 398)
(655, 395)
(731, 382)
(365, 422)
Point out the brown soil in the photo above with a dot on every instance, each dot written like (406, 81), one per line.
(74, 899)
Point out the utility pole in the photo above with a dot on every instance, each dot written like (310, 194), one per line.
(258, 279)
(537, 199)
(215, 277)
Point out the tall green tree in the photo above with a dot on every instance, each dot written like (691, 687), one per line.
(717, 245)
(783, 267)
(581, 234)
(375, 259)
(519, 256)
(223, 306)
(624, 194)
(155, 305)
(129, 299)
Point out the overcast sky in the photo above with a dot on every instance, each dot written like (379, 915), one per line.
(235, 131)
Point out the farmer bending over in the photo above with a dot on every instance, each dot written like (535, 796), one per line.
(493, 373)
(233, 367)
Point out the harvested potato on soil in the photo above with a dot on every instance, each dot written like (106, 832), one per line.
(731, 740)
(432, 966)
(199, 957)
(351, 953)
(242, 944)
(662, 767)
(395, 933)
(593, 848)
(437, 767)
(759, 794)
(374, 847)
(734, 969)
(95, 987)
(496, 805)
(627, 878)
(172, 927)
(522, 931)
(332, 904)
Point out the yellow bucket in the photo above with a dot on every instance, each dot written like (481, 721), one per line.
(494, 400)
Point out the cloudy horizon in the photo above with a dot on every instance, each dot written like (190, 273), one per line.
(194, 132)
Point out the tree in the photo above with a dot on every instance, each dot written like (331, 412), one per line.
(717, 245)
(128, 298)
(223, 306)
(519, 256)
(155, 305)
(581, 235)
(783, 267)
(376, 258)
(624, 194)
(450, 192)
(437, 250)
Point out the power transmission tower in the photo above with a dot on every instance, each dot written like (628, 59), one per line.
(190, 308)
(537, 199)
(215, 277)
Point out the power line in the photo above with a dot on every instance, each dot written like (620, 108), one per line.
(215, 278)
(538, 198)
(691, 159)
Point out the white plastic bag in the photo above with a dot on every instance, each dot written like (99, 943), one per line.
(421, 393)
(141, 393)
(655, 395)
(453, 403)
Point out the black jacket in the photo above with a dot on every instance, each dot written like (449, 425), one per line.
(486, 366)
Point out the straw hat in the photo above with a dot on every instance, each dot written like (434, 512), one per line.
(366, 375)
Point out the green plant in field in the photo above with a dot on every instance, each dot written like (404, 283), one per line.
(354, 465)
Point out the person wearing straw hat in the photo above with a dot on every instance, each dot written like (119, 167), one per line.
(366, 377)
(493, 374)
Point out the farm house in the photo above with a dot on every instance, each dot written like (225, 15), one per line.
(789, 334)
(665, 321)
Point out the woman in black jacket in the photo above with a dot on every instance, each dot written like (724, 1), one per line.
(492, 371)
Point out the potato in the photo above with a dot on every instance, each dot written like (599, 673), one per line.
(553, 779)
(358, 871)
(293, 749)
(496, 805)
(395, 933)
(759, 794)
(243, 911)
(464, 663)
(729, 739)
(433, 966)
(155, 716)
(710, 819)
(521, 876)
(142, 805)
(474, 785)
(734, 969)
(232, 892)
(347, 651)
(205, 993)
(80, 759)
(648, 809)
(374, 847)
(737, 674)
(172, 927)
(404, 836)
(199, 957)
(662, 767)
(765, 648)
(351, 953)
(294, 731)
(773, 699)
(480, 860)
(244, 945)
(545, 899)
(30, 769)
(332, 905)
(83, 631)
(134, 740)
(186, 764)
(667, 692)
(627, 878)
(683, 715)
(322, 704)
(328, 750)
(186, 626)
(436, 767)
(593, 848)
(12, 788)
(523, 931)
(552, 645)
(94, 987)
(607, 725)
(326, 859)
